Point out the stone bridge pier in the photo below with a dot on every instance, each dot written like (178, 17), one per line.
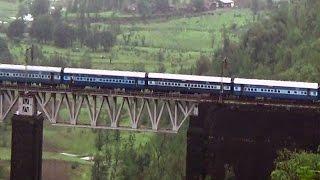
(243, 140)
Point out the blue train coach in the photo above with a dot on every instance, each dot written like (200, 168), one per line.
(275, 89)
(104, 78)
(188, 83)
(30, 74)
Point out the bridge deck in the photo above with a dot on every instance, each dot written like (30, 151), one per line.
(172, 109)
(197, 98)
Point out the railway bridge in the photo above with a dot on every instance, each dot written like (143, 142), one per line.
(242, 133)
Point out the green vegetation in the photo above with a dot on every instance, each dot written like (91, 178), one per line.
(281, 44)
(8, 10)
(180, 40)
(293, 165)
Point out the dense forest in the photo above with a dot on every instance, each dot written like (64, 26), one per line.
(282, 43)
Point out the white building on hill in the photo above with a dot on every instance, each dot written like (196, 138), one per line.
(225, 3)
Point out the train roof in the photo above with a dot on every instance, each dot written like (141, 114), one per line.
(190, 77)
(260, 82)
(30, 68)
(105, 72)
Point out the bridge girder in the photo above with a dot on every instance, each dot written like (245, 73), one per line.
(160, 115)
(138, 111)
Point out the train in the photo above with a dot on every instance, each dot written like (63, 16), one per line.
(159, 82)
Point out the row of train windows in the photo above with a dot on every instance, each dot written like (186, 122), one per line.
(104, 80)
(29, 75)
(274, 91)
(188, 85)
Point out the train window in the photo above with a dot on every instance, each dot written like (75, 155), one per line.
(295, 92)
(288, 92)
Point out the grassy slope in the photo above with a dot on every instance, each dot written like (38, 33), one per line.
(7, 10)
(182, 38)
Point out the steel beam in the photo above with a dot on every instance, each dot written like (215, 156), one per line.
(118, 105)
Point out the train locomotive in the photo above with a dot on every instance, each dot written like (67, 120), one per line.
(159, 82)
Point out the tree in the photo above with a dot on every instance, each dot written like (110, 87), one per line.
(107, 40)
(255, 7)
(203, 65)
(38, 57)
(294, 165)
(56, 14)
(42, 28)
(5, 56)
(144, 8)
(93, 41)
(270, 4)
(198, 4)
(16, 29)
(40, 7)
(22, 10)
(161, 5)
(63, 35)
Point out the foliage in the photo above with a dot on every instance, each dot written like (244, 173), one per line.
(297, 165)
(39, 7)
(284, 44)
(120, 156)
(161, 5)
(198, 4)
(203, 65)
(107, 40)
(42, 28)
(58, 60)
(63, 35)
(92, 41)
(16, 29)
(5, 56)
(144, 7)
